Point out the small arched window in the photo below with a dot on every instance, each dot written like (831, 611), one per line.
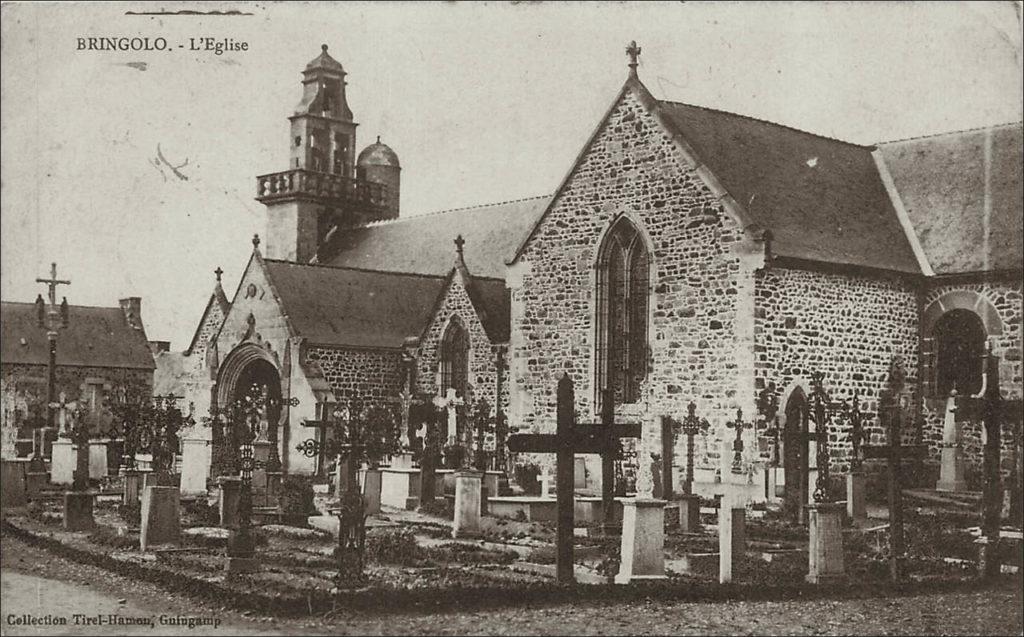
(455, 359)
(959, 345)
(622, 296)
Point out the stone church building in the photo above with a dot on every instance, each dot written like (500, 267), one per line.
(689, 254)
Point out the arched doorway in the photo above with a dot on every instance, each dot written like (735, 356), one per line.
(259, 380)
(959, 340)
(795, 453)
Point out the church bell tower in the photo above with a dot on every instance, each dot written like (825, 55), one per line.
(319, 190)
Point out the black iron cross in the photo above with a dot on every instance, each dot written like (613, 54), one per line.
(572, 438)
(737, 445)
(856, 432)
(317, 446)
(691, 425)
(890, 409)
(768, 406)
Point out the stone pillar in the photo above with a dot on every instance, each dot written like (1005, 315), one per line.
(230, 488)
(856, 506)
(643, 541)
(161, 518)
(132, 487)
(825, 549)
(62, 462)
(195, 461)
(732, 538)
(951, 469)
(13, 483)
(97, 460)
(689, 513)
(78, 511)
(467, 504)
(371, 490)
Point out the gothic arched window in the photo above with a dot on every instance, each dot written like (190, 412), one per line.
(959, 344)
(622, 291)
(455, 359)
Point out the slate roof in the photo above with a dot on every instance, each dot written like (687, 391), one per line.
(943, 180)
(493, 303)
(353, 307)
(821, 198)
(95, 337)
(424, 244)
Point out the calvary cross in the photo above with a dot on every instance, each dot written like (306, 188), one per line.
(572, 438)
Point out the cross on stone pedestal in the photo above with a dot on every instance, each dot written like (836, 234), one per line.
(64, 408)
(545, 483)
(405, 400)
(52, 319)
(737, 446)
(890, 409)
(572, 438)
(447, 402)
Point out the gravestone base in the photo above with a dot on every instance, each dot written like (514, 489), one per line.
(951, 471)
(78, 511)
(643, 541)
(689, 513)
(372, 491)
(227, 506)
(239, 565)
(62, 462)
(14, 490)
(825, 549)
(161, 516)
(467, 504)
(856, 506)
(732, 539)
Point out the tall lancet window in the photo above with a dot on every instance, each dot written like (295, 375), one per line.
(455, 359)
(622, 291)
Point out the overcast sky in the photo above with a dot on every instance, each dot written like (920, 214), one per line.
(482, 103)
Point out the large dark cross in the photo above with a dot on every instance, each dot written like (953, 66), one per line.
(691, 425)
(52, 319)
(891, 416)
(317, 445)
(989, 406)
(572, 438)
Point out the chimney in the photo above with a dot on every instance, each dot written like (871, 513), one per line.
(132, 308)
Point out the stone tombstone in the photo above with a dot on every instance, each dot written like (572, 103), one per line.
(132, 487)
(13, 482)
(372, 490)
(227, 503)
(951, 468)
(97, 460)
(545, 479)
(825, 548)
(580, 472)
(196, 458)
(689, 513)
(856, 505)
(161, 517)
(467, 504)
(78, 511)
(402, 460)
(62, 461)
(732, 537)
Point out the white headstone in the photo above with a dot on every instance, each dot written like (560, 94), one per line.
(196, 457)
(97, 460)
(545, 482)
(62, 461)
(467, 504)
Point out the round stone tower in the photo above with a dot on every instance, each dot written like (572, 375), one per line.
(379, 164)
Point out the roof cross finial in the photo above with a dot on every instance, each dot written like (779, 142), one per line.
(459, 242)
(218, 272)
(633, 51)
(255, 242)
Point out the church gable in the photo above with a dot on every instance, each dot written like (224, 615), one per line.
(631, 168)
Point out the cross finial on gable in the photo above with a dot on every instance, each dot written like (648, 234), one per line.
(255, 242)
(218, 272)
(633, 51)
(459, 242)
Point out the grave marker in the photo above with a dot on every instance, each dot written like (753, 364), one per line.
(569, 439)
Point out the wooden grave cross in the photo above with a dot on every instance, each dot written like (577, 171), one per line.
(890, 409)
(572, 438)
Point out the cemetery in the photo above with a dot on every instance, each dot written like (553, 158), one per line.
(254, 534)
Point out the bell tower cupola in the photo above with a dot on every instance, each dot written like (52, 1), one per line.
(322, 131)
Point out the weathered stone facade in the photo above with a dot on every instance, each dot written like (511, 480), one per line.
(701, 289)
(207, 330)
(846, 326)
(363, 373)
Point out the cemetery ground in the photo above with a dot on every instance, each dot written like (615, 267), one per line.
(421, 581)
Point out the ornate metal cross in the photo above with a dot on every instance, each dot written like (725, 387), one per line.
(691, 425)
(737, 445)
(768, 406)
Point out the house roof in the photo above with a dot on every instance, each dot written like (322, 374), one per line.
(423, 244)
(353, 307)
(953, 187)
(94, 337)
(821, 198)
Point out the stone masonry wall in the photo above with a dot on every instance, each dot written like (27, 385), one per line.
(364, 373)
(482, 354)
(632, 168)
(1006, 298)
(846, 326)
(207, 330)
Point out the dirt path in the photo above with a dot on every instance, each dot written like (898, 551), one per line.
(38, 584)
